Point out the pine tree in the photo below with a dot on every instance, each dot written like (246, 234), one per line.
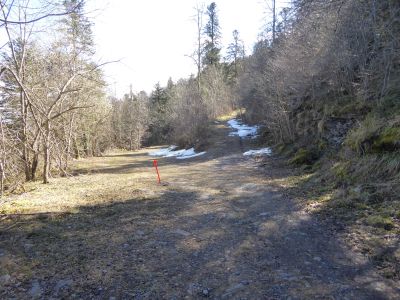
(235, 52)
(213, 32)
(77, 28)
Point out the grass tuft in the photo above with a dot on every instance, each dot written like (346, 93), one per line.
(380, 222)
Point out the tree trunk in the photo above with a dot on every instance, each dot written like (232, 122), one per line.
(85, 145)
(76, 149)
(35, 163)
(2, 174)
(24, 139)
(3, 157)
(273, 21)
(46, 168)
(46, 155)
(69, 140)
(138, 144)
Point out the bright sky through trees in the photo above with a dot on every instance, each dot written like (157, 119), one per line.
(152, 38)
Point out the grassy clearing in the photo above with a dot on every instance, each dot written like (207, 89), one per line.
(113, 177)
(78, 225)
(234, 114)
(116, 177)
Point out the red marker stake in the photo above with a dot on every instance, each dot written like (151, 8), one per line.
(156, 166)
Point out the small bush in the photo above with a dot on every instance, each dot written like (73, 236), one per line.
(389, 105)
(304, 157)
(360, 139)
(340, 170)
(388, 140)
(380, 222)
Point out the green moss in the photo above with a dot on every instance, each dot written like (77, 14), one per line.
(285, 149)
(389, 273)
(343, 105)
(280, 148)
(374, 135)
(359, 138)
(302, 157)
(322, 145)
(388, 140)
(389, 105)
(317, 166)
(344, 203)
(380, 222)
(340, 171)
(349, 105)
(361, 206)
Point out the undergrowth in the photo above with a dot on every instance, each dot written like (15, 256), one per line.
(356, 181)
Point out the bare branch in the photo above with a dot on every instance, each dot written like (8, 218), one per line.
(4, 19)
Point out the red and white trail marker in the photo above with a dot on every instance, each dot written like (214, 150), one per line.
(155, 164)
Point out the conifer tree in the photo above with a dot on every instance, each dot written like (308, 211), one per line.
(212, 31)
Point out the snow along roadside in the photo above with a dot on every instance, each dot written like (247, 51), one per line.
(266, 151)
(179, 154)
(243, 130)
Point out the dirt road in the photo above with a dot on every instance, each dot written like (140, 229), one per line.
(221, 228)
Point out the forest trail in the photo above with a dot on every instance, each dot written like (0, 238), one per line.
(220, 227)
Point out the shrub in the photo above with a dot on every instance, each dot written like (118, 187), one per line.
(380, 222)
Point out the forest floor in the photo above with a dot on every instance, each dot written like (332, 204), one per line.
(221, 226)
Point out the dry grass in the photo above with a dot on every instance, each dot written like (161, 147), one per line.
(234, 114)
(115, 177)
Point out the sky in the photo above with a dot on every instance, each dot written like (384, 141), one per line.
(151, 39)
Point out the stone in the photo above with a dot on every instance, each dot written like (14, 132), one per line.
(28, 246)
(206, 292)
(140, 232)
(35, 291)
(4, 279)
(316, 258)
(63, 283)
(232, 289)
(193, 288)
(182, 232)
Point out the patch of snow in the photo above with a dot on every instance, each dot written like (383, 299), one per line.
(243, 130)
(179, 154)
(266, 151)
(191, 155)
(163, 151)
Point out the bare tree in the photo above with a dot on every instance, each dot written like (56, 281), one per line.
(198, 53)
(236, 51)
(49, 83)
